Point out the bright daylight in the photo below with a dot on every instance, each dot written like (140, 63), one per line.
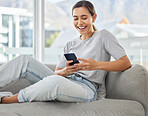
(73, 58)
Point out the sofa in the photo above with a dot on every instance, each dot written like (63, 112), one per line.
(126, 95)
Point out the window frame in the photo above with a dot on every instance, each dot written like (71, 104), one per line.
(39, 30)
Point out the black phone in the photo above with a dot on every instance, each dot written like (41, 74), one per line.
(71, 56)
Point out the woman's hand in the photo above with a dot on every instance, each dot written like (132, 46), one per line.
(68, 69)
(87, 64)
(71, 69)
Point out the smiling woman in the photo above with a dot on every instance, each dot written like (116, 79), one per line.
(70, 83)
(109, 14)
(83, 22)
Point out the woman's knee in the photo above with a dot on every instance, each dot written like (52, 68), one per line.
(54, 79)
(23, 57)
(52, 84)
(26, 58)
(44, 90)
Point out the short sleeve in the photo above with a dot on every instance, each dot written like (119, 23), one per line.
(112, 46)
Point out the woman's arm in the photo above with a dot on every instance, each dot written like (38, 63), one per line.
(117, 65)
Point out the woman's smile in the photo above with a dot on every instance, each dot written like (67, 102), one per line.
(83, 22)
(82, 28)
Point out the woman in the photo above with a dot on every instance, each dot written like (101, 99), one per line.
(70, 83)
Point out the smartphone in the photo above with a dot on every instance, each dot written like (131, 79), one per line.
(71, 56)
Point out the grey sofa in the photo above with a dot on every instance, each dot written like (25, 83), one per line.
(127, 95)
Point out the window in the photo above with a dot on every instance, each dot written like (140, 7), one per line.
(58, 22)
(50, 21)
(16, 23)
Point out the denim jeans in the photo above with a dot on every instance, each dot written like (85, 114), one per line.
(45, 84)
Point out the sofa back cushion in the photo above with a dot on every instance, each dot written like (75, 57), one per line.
(131, 84)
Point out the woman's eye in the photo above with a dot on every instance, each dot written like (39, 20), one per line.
(84, 18)
(76, 19)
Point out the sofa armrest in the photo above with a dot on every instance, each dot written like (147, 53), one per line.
(131, 84)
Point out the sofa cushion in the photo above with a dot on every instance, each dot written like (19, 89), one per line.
(131, 84)
(16, 86)
(106, 107)
(7, 114)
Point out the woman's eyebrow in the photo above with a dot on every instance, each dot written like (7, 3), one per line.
(81, 15)
(75, 16)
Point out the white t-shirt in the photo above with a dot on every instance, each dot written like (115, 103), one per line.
(100, 47)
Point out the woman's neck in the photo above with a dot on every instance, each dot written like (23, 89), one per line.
(84, 37)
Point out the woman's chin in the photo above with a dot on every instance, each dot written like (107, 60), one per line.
(82, 32)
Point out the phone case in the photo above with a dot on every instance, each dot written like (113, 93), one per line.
(71, 56)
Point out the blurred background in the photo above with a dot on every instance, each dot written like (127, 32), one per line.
(19, 31)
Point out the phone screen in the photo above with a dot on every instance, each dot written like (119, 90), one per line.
(71, 56)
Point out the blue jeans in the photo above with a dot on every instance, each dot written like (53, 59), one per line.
(46, 85)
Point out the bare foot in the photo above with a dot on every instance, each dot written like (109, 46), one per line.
(8, 100)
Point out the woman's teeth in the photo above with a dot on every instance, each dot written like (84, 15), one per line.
(82, 27)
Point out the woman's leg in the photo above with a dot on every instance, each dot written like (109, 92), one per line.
(59, 88)
(56, 87)
(23, 67)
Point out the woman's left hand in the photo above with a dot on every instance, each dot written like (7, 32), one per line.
(87, 64)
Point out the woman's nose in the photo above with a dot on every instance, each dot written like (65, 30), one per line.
(80, 21)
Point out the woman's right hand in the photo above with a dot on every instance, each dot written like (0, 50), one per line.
(69, 69)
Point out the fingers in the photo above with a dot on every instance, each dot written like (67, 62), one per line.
(81, 59)
(84, 65)
(71, 68)
(68, 62)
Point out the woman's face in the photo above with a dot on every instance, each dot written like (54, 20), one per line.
(83, 21)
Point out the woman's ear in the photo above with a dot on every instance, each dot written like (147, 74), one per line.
(94, 17)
